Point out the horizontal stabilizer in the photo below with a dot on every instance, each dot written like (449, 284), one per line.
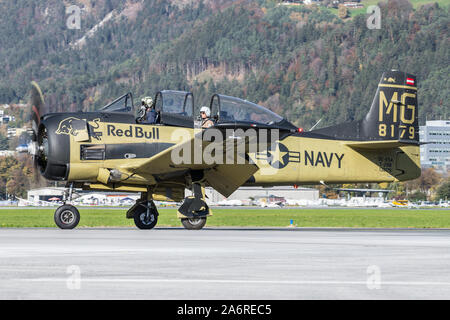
(374, 145)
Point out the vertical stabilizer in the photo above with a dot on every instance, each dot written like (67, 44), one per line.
(393, 114)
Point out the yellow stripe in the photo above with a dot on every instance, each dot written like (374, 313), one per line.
(397, 86)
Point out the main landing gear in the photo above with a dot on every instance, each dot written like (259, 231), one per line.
(144, 213)
(194, 210)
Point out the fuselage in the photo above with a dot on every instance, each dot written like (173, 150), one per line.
(298, 158)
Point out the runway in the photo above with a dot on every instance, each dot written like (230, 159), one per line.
(221, 263)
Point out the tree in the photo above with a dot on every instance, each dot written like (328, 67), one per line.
(3, 142)
(428, 180)
(342, 12)
(417, 196)
(443, 191)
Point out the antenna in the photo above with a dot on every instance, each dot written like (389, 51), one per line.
(315, 124)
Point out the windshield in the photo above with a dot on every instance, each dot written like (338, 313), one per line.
(233, 109)
(122, 104)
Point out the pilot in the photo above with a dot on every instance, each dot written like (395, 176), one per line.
(150, 112)
(205, 113)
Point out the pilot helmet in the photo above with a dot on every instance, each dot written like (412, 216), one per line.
(148, 101)
(206, 110)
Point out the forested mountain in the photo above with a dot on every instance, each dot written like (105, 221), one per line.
(302, 62)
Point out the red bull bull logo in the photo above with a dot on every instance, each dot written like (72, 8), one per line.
(74, 126)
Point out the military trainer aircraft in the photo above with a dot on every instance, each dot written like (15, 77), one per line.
(111, 149)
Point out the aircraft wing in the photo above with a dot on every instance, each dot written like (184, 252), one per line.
(166, 161)
(225, 178)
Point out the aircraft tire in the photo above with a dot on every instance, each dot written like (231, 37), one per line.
(194, 224)
(67, 217)
(139, 218)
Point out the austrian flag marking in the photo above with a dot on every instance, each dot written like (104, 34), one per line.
(410, 81)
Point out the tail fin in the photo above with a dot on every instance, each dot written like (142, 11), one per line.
(393, 115)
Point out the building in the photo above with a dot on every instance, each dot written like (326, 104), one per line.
(436, 150)
(244, 194)
(7, 153)
(44, 194)
(4, 118)
(353, 5)
(81, 197)
(16, 132)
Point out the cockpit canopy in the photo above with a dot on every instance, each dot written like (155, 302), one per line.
(121, 104)
(231, 109)
(177, 108)
(175, 102)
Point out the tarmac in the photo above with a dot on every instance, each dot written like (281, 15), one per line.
(224, 263)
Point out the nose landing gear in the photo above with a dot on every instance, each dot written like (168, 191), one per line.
(67, 216)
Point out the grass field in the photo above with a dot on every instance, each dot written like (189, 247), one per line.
(373, 218)
(366, 3)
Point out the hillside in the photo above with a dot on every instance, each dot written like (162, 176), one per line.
(302, 62)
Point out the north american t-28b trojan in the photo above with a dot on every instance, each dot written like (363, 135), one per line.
(247, 145)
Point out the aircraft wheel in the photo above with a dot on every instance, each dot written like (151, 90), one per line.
(67, 217)
(193, 223)
(144, 221)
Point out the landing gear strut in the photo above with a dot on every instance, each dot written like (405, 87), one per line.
(194, 210)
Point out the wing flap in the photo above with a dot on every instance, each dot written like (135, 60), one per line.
(226, 178)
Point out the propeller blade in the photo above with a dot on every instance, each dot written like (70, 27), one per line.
(37, 107)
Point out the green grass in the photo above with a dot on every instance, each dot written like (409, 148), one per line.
(366, 3)
(374, 218)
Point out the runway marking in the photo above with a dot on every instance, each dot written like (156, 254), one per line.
(286, 282)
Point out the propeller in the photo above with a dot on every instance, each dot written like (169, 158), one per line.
(37, 109)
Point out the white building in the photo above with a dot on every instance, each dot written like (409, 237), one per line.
(13, 132)
(56, 195)
(245, 194)
(436, 150)
(242, 196)
(7, 153)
